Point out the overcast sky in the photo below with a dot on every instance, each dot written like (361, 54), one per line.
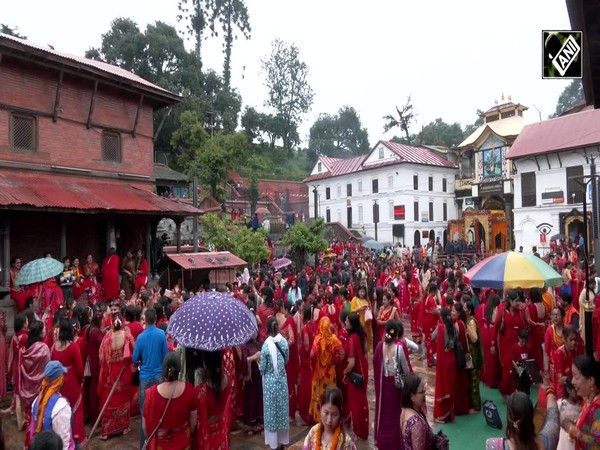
(452, 57)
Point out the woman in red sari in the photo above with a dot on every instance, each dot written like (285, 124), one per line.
(173, 401)
(32, 363)
(415, 292)
(141, 278)
(553, 339)
(17, 343)
(213, 405)
(91, 272)
(536, 318)
(564, 357)
(428, 319)
(386, 313)
(287, 328)
(461, 399)
(93, 338)
(357, 363)
(111, 268)
(307, 338)
(509, 322)
(67, 352)
(446, 337)
(115, 368)
(265, 310)
(486, 316)
(17, 293)
(329, 310)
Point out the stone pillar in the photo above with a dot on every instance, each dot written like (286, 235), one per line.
(178, 233)
(6, 252)
(63, 236)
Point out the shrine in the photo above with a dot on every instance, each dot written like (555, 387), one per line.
(486, 230)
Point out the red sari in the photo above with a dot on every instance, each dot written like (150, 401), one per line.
(70, 358)
(508, 335)
(141, 278)
(288, 331)
(415, 291)
(111, 267)
(563, 366)
(445, 387)
(537, 331)
(305, 388)
(213, 419)
(115, 419)
(428, 320)
(461, 402)
(357, 395)
(490, 372)
(95, 291)
(552, 342)
(177, 434)
(17, 343)
(18, 293)
(263, 313)
(390, 314)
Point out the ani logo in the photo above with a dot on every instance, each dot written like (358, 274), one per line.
(562, 55)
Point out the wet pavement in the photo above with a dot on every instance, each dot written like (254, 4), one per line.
(240, 440)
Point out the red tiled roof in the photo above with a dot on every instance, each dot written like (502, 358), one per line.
(69, 193)
(417, 155)
(206, 260)
(405, 153)
(568, 132)
(90, 63)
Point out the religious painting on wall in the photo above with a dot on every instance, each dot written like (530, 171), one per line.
(492, 162)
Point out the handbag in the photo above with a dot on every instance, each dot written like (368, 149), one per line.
(368, 315)
(160, 421)
(461, 359)
(490, 412)
(400, 376)
(357, 378)
(135, 377)
(441, 441)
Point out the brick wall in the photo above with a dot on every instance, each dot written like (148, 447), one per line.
(68, 142)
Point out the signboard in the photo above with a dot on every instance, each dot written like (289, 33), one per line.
(424, 216)
(553, 197)
(399, 212)
(486, 188)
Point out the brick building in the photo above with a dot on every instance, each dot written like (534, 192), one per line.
(76, 156)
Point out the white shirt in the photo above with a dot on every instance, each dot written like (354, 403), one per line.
(61, 420)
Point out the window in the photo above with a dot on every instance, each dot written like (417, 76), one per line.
(399, 213)
(360, 213)
(445, 212)
(390, 181)
(375, 185)
(416, 211)
(359, 186)
(339, 214)
(444, 185)
(327, 193)
(339, 191)
(391, 210)
(319, 167)
(349, 190)
(416, 182)
(575, 191)
(381, 153)
(23, 132)
(328, 215)
(528, 194)
(431, 211)
(111, 146)
(430, 183)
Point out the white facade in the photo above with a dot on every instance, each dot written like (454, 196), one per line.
(531, 223)
(349, 198)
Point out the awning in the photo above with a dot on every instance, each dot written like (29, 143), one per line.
(206, 260)
(60, 192)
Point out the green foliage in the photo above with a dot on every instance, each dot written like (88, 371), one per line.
(11, 31)
(441, 133)
(570, 95)
(290, 95)
(195, 13)
(234, 237)
(341, 135)
(305, 239)
(403, 120)
(469, 129)
(189, 137)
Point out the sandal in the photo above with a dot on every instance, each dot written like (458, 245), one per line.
(103, 437)
(126, 431)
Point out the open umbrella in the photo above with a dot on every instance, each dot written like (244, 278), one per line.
(373, 245)
(262, 210)
(281, 263)
(39, 270)
(512, 270)
(558, 237)
(212, 321)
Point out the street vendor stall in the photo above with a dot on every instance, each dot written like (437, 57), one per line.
(191, 270)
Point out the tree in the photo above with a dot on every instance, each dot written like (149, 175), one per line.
(290, 95)
(188, 138)
(570, 95)
(11, 31)
(305, 239)
(469, 129)
(195, 13)
(403, 120)
(441, 133)
(250, 245)
(262, 127)
(340, 136)
(230, 14)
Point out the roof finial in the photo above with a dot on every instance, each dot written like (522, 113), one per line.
(510, 98)
(503, 96)
(496, 101)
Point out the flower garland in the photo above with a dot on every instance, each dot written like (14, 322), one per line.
(334, 441)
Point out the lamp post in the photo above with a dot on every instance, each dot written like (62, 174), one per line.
(316, 199)
(375, 216)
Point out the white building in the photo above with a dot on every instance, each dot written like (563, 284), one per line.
(550, 157)
(412, 189)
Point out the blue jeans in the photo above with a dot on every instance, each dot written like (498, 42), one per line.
(142, 395)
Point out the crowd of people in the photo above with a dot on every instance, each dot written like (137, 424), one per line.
(319, 332)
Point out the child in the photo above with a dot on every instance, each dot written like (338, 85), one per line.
(521, 352)
(569, 407)
(331, 429)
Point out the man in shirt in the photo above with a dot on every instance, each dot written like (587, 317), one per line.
(150, 350)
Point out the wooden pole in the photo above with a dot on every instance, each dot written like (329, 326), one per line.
(112, 391)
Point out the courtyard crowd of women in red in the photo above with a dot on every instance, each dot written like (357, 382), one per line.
(333, 318)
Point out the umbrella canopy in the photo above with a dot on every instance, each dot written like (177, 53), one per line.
(39, 270)
(367, 238)
(281, 263)
(262, 210)
(513, 270)
(373, 245)
(558, 237)
(212, 321)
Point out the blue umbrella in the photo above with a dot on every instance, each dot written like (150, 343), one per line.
(373, 245)
(39, 270)
(212, 321)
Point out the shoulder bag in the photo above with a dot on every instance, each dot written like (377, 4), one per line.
(357, 378)
(400, 376)
(160, 421)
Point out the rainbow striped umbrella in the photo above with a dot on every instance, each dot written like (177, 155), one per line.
(513, 270)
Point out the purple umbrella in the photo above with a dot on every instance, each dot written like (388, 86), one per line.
(281, 263)
(212, 321)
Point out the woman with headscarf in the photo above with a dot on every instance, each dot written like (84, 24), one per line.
(51, 411)
(326, 352)
(32, 362)
(115, 368)
(273, 357)
(361, 306)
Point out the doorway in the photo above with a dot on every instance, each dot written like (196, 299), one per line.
(445, 238)
(432, 236)
(417, 239)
